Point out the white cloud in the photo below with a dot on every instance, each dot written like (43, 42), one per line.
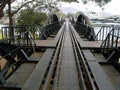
(77, 6)
(91, 6)
(113, 7)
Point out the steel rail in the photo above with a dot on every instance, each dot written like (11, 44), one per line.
(84, 66)
(81, 79)
(58, 66)
(52, 66)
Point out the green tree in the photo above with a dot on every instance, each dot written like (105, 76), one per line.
(30, 17)
(12, 10)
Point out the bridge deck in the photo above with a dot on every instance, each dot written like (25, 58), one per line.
(52, 44)
(36, 77)
(90, 44)
(63, 60)
(68, 63)
(22, 74)
(45, 43)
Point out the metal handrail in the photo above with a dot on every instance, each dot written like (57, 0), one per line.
(11, 52)
(34, 29)
(86, 30)
(23, 39)
(112, 39)
(13, 64)
(102, 33)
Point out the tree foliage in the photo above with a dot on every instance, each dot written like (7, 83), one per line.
(2, 6)
(70, 1)
(99, 2)
(30, 17)
(103, 2)
(3, 3)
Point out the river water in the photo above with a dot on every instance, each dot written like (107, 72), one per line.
(98, 25)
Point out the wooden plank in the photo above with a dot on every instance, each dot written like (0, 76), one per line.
(35, 79)
(45, 43)
(100, 77)
(88, 55)
(90, 44)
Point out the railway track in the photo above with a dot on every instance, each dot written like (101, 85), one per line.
(86, 79)
(65, 56)
(67, 68)
(62, 70)
(54, 64)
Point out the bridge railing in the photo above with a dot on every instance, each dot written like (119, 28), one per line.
(7, 63)
(112, 39)
(101, 32)
(10, 61)
(111, 47)
(48, 29)
(22, 39)
(86, 30)
(10, 57)
(37, 31)
(16, 30)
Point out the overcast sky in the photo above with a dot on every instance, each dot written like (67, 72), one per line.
(113, 7)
